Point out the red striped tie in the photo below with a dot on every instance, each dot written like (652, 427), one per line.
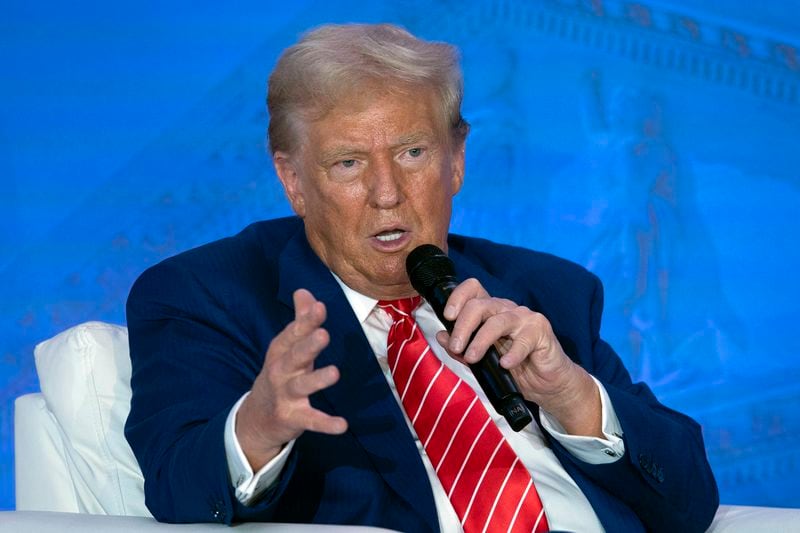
(488, 486)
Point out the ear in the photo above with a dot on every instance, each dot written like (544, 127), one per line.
(458, 166)
(289, 175)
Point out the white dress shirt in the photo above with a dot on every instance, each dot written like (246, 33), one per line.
(565, 505)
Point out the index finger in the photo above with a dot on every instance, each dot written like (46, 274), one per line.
(466, 291)
(309, 313)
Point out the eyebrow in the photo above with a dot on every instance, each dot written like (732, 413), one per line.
(413, 138)
(339, 153)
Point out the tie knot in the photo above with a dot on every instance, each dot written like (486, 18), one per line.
(397, 309)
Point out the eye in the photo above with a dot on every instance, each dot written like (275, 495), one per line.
(345, 169)
(415, 152)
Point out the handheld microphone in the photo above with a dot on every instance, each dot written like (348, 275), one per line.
(433, 275)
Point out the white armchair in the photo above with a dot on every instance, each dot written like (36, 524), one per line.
(72, 456)
(74, 469)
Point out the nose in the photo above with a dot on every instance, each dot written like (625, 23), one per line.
(385, 186)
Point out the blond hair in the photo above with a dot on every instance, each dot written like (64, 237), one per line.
(333, 61)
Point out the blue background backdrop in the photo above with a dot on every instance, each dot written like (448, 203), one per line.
(655, 142)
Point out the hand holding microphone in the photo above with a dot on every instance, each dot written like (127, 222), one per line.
(432, 274)
(534, 367)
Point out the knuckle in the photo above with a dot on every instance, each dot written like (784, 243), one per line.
(294, 352)
(498, 321)
(322, 336)
(294, 386)
(296, 329)
(506, 303)
(505, 344)
(547, 327)
(525, 346)
(471, 307)
(507, 319)
(472, 283)
(539, 320)
(277, 344)
(473, 288)
(272, 370)
(504, 319)
(521, 313)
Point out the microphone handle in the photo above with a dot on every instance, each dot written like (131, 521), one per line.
(496, 381)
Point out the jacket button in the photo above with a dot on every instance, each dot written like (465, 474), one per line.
(218, 512)
(644, 461)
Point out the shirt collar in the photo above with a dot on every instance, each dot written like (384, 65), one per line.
(362, 305)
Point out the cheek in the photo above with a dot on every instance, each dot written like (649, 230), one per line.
(340, 211)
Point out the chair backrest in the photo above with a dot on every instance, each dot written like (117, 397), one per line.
(70, 450)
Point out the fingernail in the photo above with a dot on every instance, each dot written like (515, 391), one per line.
(450, 312)
(456, 345)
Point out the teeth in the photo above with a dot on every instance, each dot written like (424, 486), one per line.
(390, 236)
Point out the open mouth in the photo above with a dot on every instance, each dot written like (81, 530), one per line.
(389, 236)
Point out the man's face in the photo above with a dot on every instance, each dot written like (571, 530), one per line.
(373, 179)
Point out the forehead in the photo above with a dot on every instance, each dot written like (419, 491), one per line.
(374, 118)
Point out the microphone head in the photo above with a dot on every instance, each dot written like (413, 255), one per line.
(428, 265)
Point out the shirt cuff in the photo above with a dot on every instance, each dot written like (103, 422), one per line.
(591, 450)
(249, 486)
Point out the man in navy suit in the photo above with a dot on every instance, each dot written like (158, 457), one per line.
(261, 389)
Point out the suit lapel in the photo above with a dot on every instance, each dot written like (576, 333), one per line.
(362, 395)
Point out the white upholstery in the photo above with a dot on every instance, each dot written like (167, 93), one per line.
(72, 456)
(84, 373)
(43, 481)
(743, 519)
(47, 522)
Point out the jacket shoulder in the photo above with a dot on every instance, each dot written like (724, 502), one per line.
(516, 264)
(244, 259)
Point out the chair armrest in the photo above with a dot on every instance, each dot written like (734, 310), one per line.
(38, 455)
(47, 522)
(743, 519)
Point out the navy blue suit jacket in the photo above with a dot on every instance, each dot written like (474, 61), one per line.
(200, 324)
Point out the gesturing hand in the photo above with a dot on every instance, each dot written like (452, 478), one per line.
(277, 409)
(531, 352)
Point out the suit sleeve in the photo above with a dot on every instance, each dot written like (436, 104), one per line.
(190, 365)
(664, 475)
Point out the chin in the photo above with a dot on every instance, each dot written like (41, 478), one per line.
(395, 277)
